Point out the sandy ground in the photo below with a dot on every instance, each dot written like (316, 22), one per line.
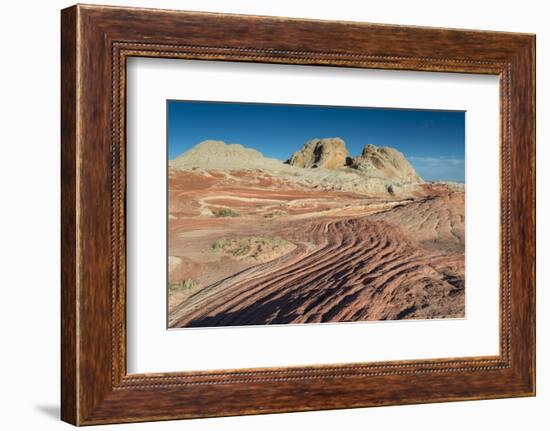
(247, 248)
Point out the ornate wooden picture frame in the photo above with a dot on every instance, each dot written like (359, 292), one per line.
(96, 41)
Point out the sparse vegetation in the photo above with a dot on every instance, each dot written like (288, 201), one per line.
(252, 248)
(234, 247)
(186, 285)
(274, 214)
(225, 212)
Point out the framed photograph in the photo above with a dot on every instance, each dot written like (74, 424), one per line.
(264, 214)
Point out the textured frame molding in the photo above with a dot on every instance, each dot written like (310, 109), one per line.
(96, 41)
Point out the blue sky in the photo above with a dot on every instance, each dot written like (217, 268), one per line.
(433, 141)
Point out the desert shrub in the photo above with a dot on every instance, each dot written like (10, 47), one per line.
(225, 212)
(218, 244)
(233, 247)
(183, 285)
(275, 213)
(255, 248)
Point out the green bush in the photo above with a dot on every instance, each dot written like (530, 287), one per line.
(225, 212)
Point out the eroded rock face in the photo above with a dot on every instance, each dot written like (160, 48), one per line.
(212, 154)
(374, 162)
(323, 163)
(387, 163)
(328, 153)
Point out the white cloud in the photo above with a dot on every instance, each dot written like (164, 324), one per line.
(439, 168)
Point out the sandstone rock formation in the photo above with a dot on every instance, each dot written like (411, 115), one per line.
(320, 163)
(219, 155)
(329, 153)
(386, 163)
(326, 238)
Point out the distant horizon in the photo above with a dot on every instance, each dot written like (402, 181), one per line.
(433, 141)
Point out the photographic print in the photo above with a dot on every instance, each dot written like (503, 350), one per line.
(290, 214)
